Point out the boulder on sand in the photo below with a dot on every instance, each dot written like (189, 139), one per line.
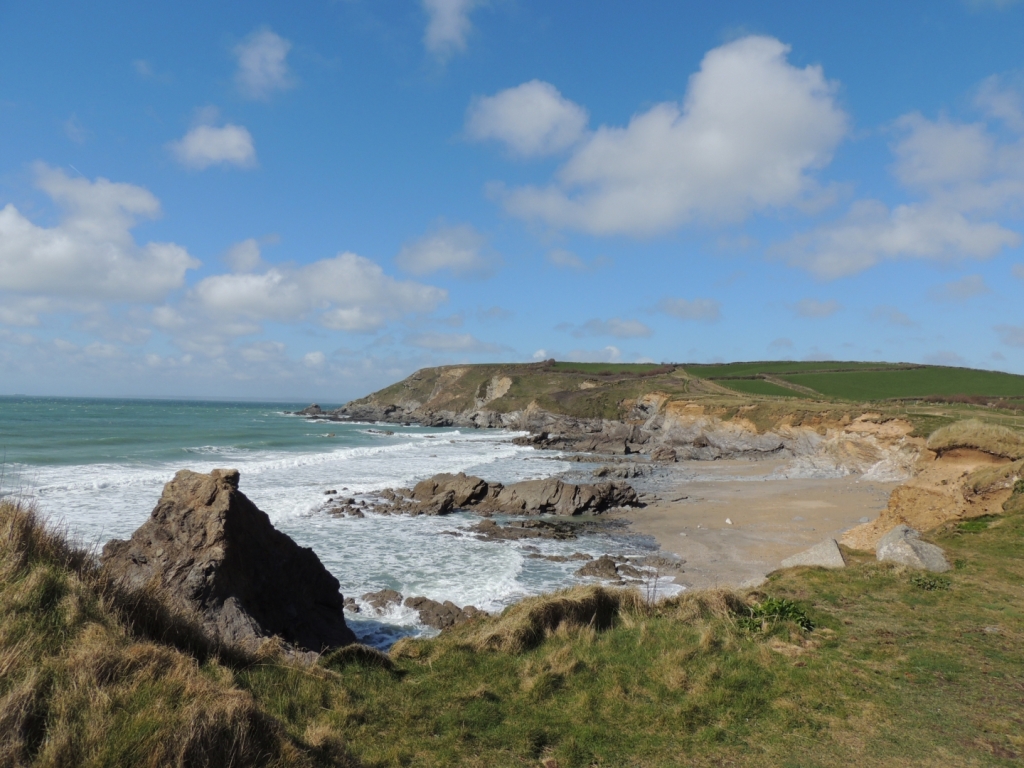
(207, 548)
(902, 545)
(824, 555)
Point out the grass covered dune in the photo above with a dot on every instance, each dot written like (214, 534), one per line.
(873, 665)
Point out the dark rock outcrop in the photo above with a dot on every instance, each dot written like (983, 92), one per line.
(444, 493)
(488, 530)
(207, 548)
(310, 410)
(383, 599)
(441, 615)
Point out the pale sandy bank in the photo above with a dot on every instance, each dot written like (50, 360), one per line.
(771, 519)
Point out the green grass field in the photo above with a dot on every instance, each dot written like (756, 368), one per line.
(912, 383)
(760, 387)
(866, 381)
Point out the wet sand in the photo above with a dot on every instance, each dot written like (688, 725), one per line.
(733, 523)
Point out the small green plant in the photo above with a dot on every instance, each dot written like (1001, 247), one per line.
(765, 615)
(976, 525)
(959, 564)
(929, 582)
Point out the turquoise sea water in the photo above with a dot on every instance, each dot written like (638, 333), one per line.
(98, 467)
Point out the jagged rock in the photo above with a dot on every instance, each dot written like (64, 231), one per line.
(664, 453)
(553, 497)
(825, 555)
(441, 615)
(603, 567)
(466, 489)
(444, 493)
(902, 545)
(488, 530)
(207, 548)
(383, 599)
(624, 471)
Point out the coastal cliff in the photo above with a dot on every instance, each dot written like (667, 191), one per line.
(663, 411)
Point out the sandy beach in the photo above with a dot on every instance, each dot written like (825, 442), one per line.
(734, 521)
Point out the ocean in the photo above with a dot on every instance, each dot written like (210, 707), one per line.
(97, 467)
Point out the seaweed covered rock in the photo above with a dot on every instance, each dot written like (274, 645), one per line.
(207, 548)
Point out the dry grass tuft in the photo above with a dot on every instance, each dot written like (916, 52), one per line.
(526, 624)
(91, 673)
(971, 433)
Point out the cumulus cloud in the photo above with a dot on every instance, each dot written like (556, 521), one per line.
(531, 119)
(347, 293)
(244, 256)
(448, 25)
(967, 176)
(691, 309)
(871, 233)
(617, 327)
(262, 64)
(459, 249)
(563, 259)
(892, 316)
(90, 253)
(1001, 102)
(745, 138)
(1011, 335)
(815, 308)
(207, 145)
(314, 359)
(961, 290)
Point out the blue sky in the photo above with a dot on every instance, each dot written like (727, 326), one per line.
(253, 200)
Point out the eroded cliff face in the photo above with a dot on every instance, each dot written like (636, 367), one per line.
(823, 444)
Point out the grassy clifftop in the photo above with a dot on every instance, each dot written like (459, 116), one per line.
(873, 666)
(930, 395)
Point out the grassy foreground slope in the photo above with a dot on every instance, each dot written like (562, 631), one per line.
(872, 666)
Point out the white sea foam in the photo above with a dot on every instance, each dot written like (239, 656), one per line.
(412, 555)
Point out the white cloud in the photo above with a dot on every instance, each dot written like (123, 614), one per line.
(617, 327)
(870, 233)
(691, 309)
(961, 290)
(968, 177)
(531, 119)
(262, 64)
(244, 256)
(74, 130)
(448, 25)
(207, 145)
(781, 343)
(748, 132)
(815, 308)
(1011, 335)
(460, 249)
(892, 316)
(540, 354)
(347, 293)
(314, 359)
(450, 342)
(90, 254)
(559, 257)
(1001, 102)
